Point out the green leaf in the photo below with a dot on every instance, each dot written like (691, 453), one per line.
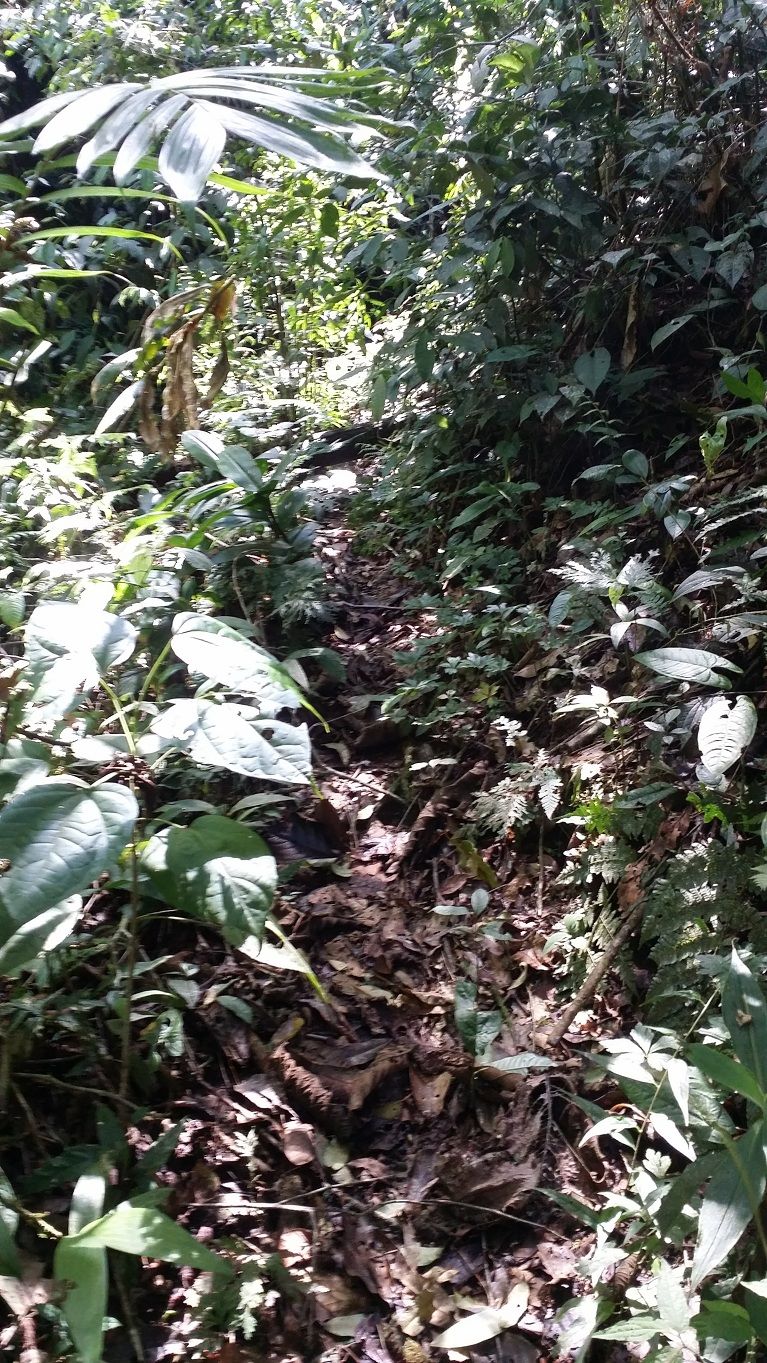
(722, 1320)
(13, 318)
(673, 1307)
(745, 1016)
(144, 1230)
(87, 1201)
(755, 1297)
(123, 404)
(9, 1220)
(758, 299)
(140, 138)
(663, 333)
(32, 118)
(69, 647)
(518, 1064)
(591, 368)
(190, 151)
(217, 870)
(318, 151)
(85, 1303)
(238, 739)
(726, 1072)
(688, 664)
(724, 733)
(116, 127)
(59, 837)
(732, 1198)
(42, 933)
(634, 1331)
(486, 1324)
(214, 650)
(80, 114)
(636, 463)
(12, 605)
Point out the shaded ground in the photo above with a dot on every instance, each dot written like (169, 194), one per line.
(340, 1132)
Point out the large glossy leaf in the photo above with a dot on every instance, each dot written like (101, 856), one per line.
(689, 664)
(32, 118)
(238, 739)
(318, 151)
(84, 1272)
(724, 733)
(217, 870)
(294, 122)
(217, 652)
(733, 1196)
(59, 837)
(48, 930)
(140, 138)
(146, 1231)
(69, 646)
(190, 151)
(84, 1269)
(116, 127)
(745, 1014)
(81, 114)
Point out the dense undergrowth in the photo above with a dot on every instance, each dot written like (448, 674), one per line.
(512, 260)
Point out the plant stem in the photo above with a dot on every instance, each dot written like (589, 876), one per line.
(130, 970)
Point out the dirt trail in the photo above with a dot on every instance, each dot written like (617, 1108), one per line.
(347, 1136)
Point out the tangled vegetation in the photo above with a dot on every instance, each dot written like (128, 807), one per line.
(382, 655)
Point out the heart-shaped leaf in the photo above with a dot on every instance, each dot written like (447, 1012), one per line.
(218, 870)
(237, 738)
(59, 836)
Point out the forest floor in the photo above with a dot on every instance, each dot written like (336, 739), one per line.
(338, 1127)
(348, 1137)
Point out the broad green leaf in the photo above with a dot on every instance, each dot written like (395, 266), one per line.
(745, 1015)
(663, 333)
(726, 1072)
(591, 368)
(123, 404)
(217, 870)
(87, 1203)
(755, 1298)
(32, 118)
(722, 1320)
(319, 151)
(144, 1230)
(733, 1196)
(190, 151)
(673, 1307)
(724, 733)
(69, 646)
(80, 114)
(13, 185)
(85, 1304)
(9, 1220)
(13, 318)
(59, 837)
(42, 933)
(634, 1331)
(115, 128)
(12, 606)
(689, 664)
(678, 1075)
(238, 739)
(485, 1324)
(214, 650)
(758, 299)
(141, 137)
